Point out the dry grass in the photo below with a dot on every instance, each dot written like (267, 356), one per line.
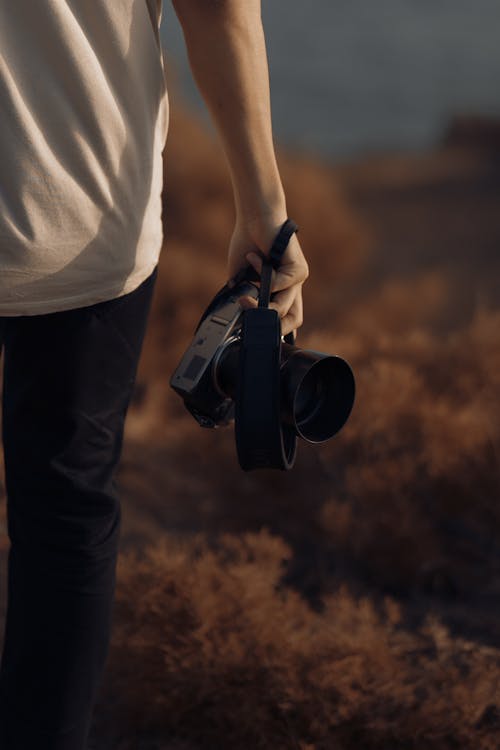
(211, 649)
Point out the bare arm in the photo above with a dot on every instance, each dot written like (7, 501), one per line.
(227, 53)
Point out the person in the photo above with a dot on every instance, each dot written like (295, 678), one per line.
(84, 124)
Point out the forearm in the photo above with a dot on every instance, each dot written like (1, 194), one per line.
(227, 53)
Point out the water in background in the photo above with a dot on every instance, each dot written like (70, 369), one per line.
(351, 76)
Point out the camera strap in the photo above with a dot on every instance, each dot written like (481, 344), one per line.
(262, 440)
(273, 259)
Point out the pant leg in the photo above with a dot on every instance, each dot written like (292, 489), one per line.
(68, 380)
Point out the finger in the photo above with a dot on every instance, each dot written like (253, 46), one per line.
(299, 311)
(288, 274)
(247, 302)
(257, 263)
(283, 301)
(293, 319)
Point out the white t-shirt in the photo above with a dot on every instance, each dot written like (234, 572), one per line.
(83, 123)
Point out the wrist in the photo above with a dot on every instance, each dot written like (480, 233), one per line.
(258, 195)
(261, 228)
(262, 213)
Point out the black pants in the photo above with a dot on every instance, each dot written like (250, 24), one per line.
(68, 380)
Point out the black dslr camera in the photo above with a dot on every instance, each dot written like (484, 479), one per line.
(240, 368)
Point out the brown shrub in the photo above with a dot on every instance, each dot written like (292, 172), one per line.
(210, 649)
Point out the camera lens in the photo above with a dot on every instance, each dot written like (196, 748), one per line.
(309, 399)
(323, 399)
(318, 392)
(225, 367)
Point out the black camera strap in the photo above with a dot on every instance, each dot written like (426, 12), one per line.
(262, 440)
(273, 259)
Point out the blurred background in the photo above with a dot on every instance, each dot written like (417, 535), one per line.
(353, 602)
(349, 78)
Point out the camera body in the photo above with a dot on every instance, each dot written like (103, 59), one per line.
(198, 375)
(239, 368)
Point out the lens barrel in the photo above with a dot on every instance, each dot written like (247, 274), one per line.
(317, 392)
(317, 389)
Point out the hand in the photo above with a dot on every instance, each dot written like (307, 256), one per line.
(254, 237)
